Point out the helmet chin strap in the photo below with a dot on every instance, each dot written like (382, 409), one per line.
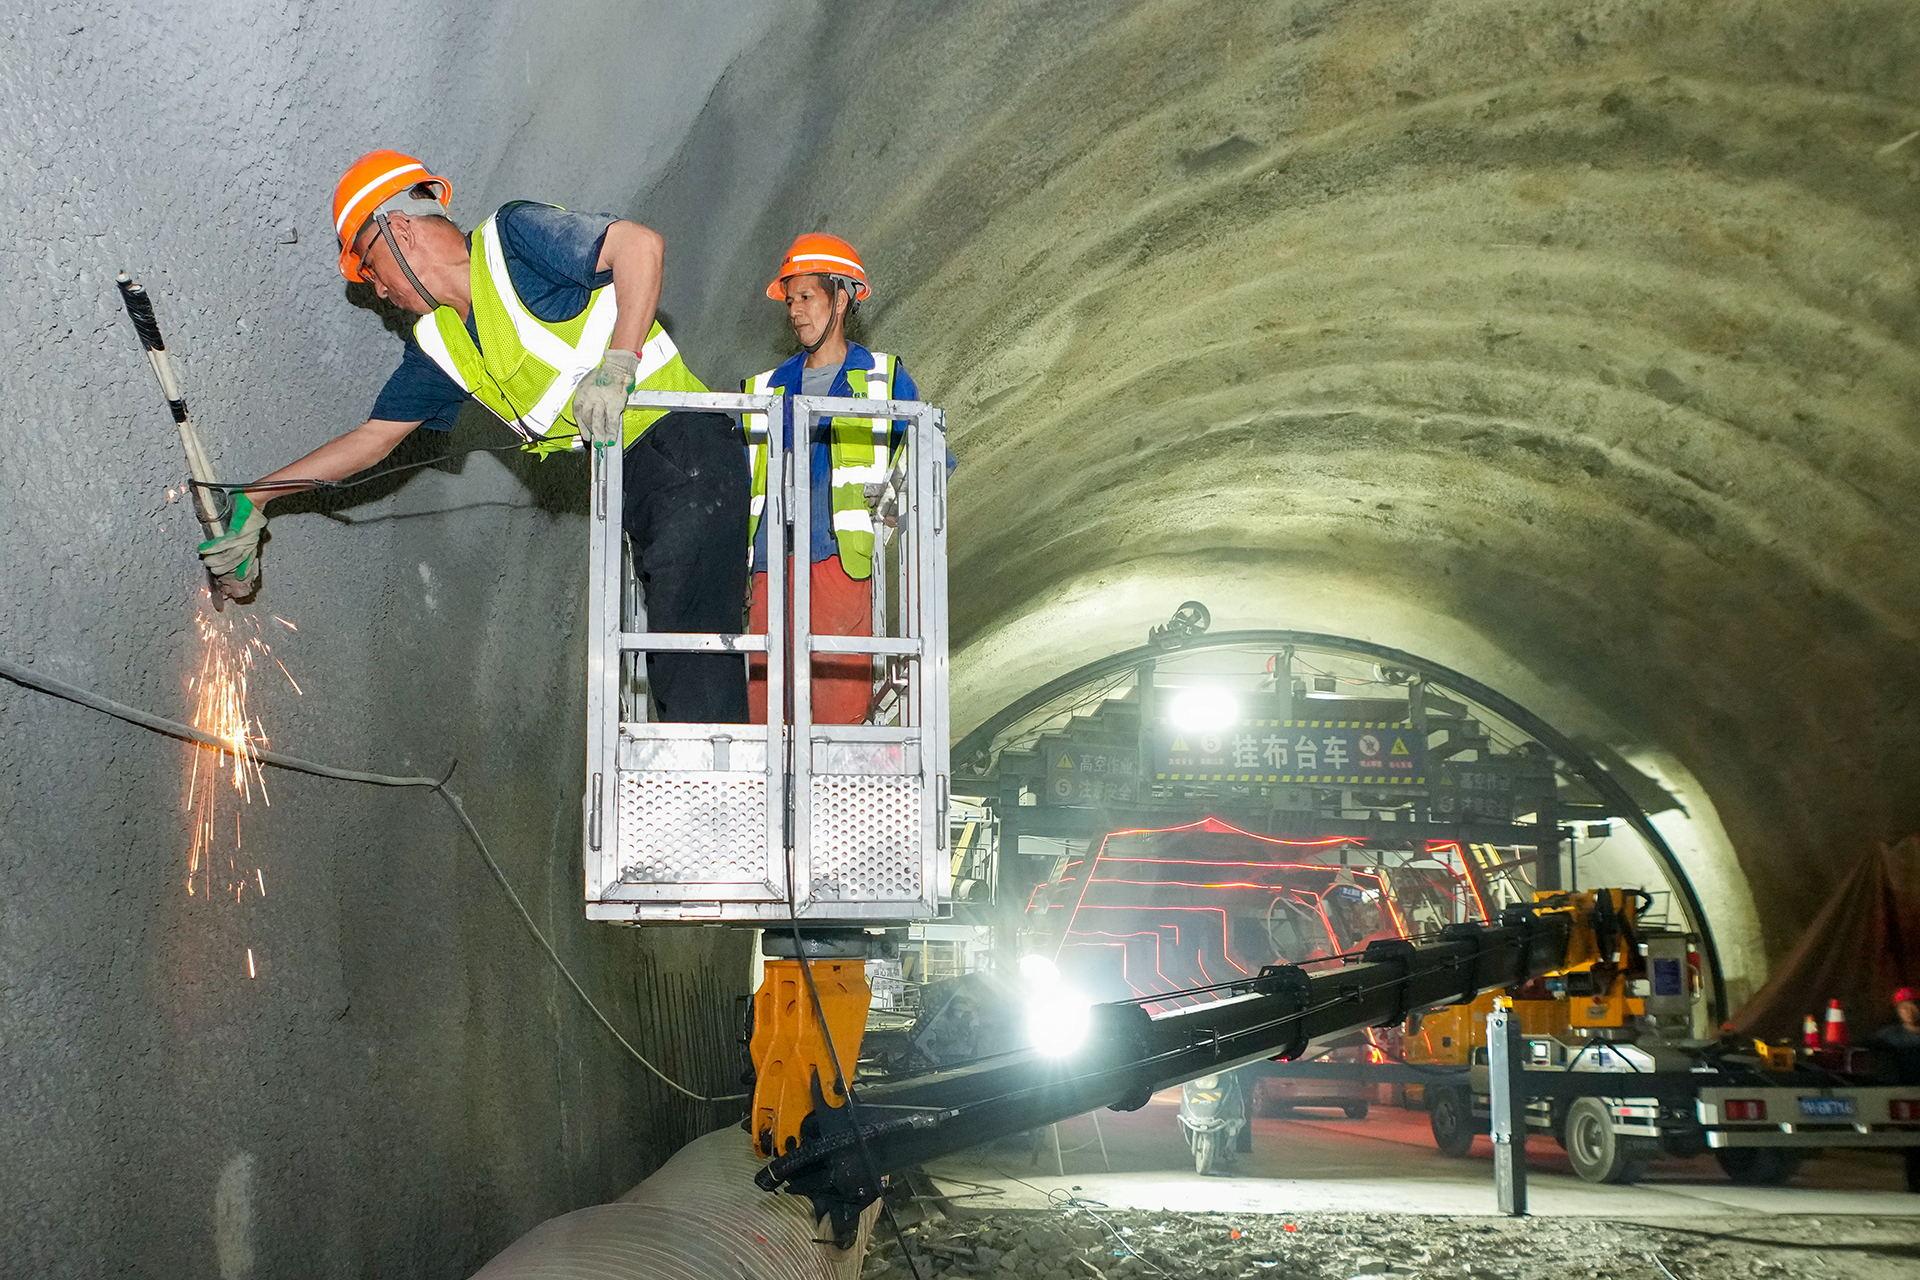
(386, 233)
(833, 321)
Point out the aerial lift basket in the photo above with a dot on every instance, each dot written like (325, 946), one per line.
(747, 824)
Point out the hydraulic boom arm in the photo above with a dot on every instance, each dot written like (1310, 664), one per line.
(1129, 1055)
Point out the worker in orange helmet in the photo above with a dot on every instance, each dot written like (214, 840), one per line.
(1897, 1046)
(546, 318)
(821, 281)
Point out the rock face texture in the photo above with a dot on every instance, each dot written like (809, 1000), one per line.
(406, 1085)
(1572, 345)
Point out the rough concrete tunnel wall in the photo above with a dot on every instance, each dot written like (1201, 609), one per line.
(1572, 345)
(406, 1085)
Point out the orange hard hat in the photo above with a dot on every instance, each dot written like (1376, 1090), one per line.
(370, 182)
(815, 253)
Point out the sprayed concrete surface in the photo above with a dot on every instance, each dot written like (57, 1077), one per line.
(1572, 345)
(406, 1085)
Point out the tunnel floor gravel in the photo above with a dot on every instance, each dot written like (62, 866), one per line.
(1094, 1243)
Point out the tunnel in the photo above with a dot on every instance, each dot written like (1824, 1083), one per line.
(1573, 346)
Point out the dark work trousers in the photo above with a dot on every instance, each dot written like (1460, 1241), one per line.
(684, 509)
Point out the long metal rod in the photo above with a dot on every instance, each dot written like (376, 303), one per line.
(147, 325)
(800, 557)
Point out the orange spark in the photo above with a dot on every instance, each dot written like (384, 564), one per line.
(221, 699)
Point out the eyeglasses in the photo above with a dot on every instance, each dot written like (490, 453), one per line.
(372, 240)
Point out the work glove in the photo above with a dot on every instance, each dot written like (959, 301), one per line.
(600, 400)
(233, 557)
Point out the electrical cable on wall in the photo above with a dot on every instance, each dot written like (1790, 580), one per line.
(840, 1080)
(31, 679)
(220, 492)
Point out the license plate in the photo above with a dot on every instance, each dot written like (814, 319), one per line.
(1827, 1108)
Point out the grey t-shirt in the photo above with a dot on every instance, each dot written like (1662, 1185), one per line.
(817, 382)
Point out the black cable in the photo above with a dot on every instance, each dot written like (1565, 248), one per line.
(28, 678)
(841, 1083)
(527, 441)
(224, 486)
(1068, 1203)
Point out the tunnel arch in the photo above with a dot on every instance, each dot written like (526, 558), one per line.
(1573, 346)
(1575, 349)
(975, 750)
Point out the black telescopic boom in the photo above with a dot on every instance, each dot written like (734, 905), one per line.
(1129, 1055)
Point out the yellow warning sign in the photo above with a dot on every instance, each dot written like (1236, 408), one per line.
(1400, 748)
(1066, 762)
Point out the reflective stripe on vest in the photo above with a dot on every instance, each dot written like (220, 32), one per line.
(524, 369)
(857, 454)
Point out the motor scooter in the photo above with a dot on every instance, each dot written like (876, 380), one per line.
(1213, 1116)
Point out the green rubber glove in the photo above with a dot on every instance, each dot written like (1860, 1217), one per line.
(600, 401)
(234, 557)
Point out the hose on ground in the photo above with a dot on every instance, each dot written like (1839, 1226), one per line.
(699, 1216)
(27, 677)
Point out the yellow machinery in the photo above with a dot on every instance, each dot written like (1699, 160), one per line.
(1595, 985)
(794, 1069)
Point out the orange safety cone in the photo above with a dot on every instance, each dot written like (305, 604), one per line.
(1835, 1036)
(1810, 1033)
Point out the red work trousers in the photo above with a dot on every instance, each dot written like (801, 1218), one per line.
(842, 682)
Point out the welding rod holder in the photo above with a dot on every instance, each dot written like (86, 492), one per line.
(147, 326)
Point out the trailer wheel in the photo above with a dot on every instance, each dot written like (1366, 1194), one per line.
(1557, 1123)
(1758, 1166)
(1450, 1113)
(1597, 1153)
(1355, 1110)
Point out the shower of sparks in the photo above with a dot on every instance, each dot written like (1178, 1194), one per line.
(223, 779)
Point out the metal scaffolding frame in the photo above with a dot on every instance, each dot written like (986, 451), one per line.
(754, 824)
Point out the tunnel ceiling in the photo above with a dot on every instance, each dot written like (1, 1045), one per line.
(1572, 345)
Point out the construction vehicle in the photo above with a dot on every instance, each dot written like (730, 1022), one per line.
(824, 836)
(1613, 1072)
(1151, 911)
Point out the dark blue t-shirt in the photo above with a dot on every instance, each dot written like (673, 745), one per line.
(550, 257)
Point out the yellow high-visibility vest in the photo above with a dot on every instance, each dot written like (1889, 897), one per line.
(858, 455)
(524, 368)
